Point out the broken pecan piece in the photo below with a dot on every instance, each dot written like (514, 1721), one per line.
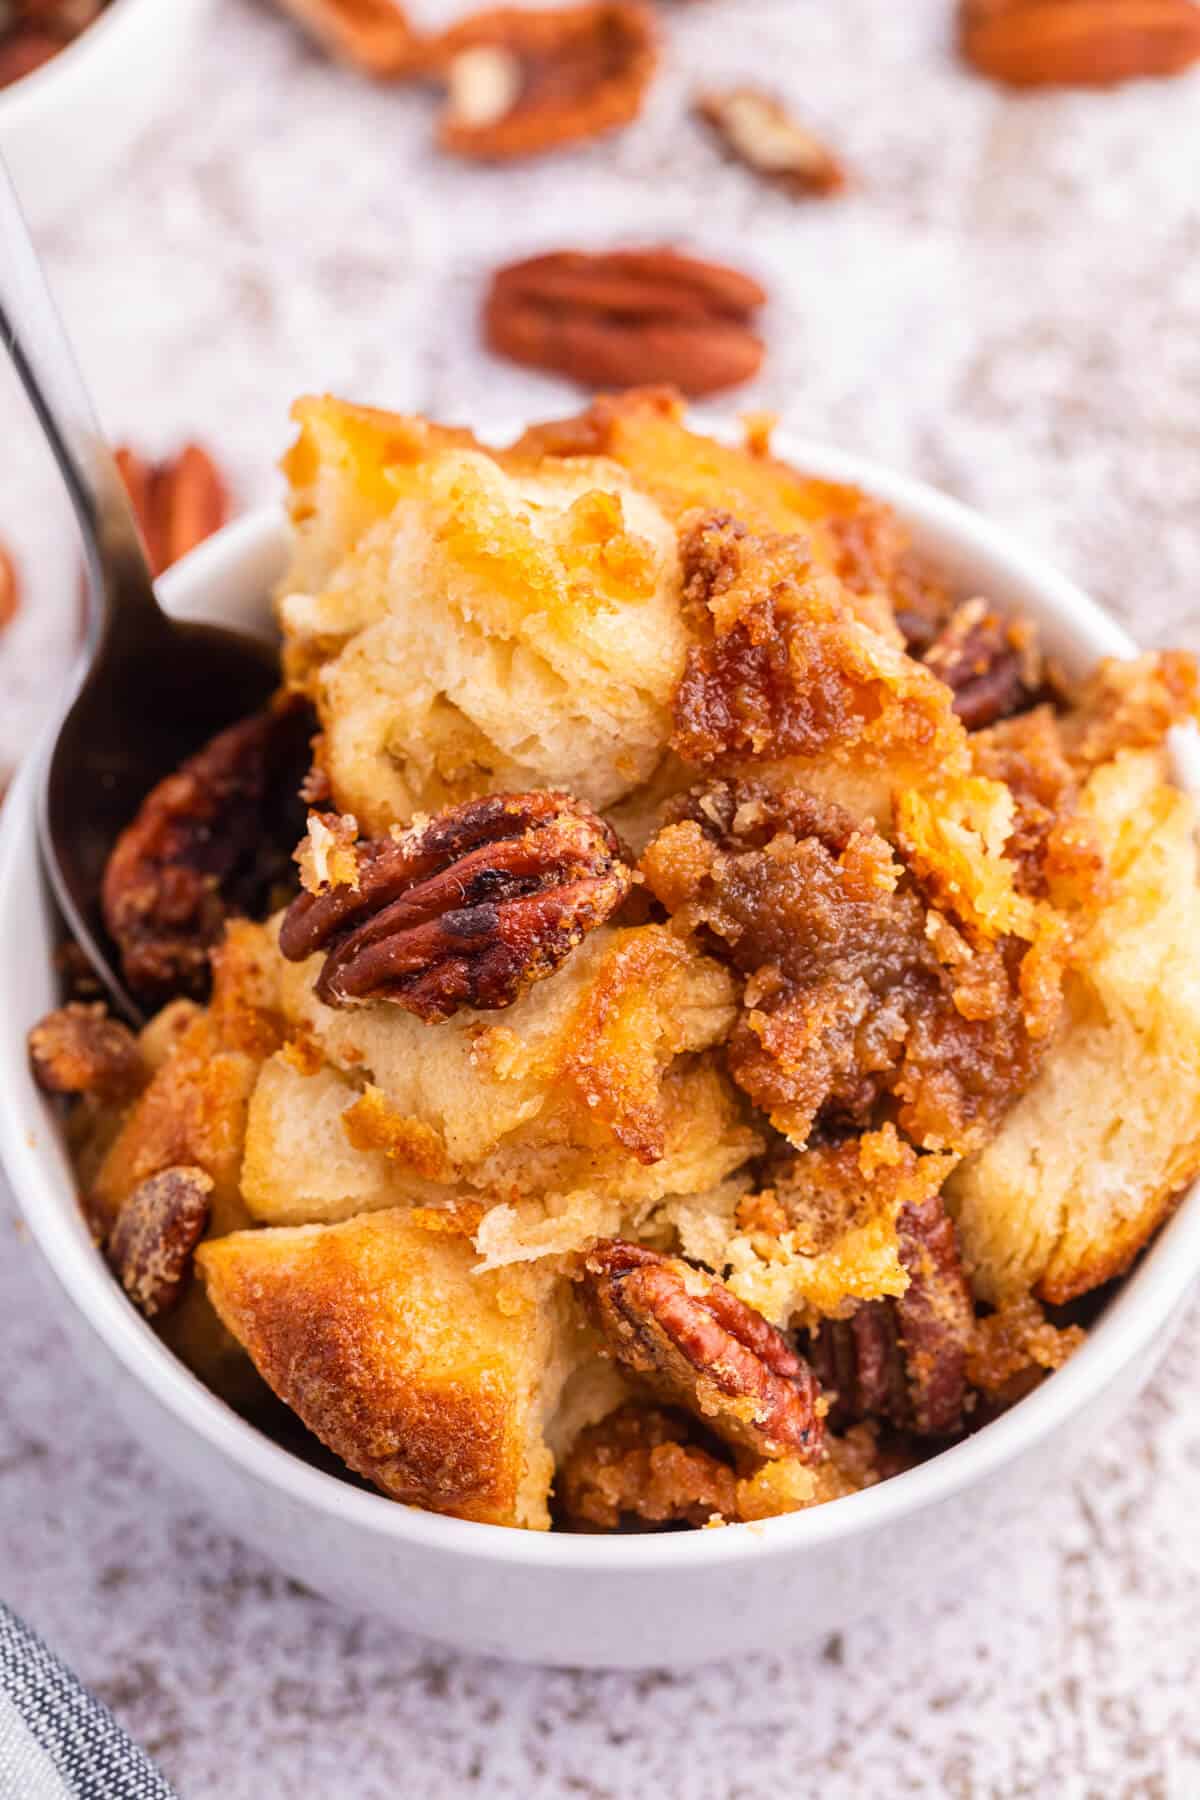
(157, 1230)
(207, 842)
(991, 665)
(1078, 43)
(758, 130)
(641, 1463)
(625, 318)
(467, 910)
(81, 1050)
(701, 1347)
(178, 503)
(373, 35)
(905, 1360)
(935, 1315)
(521, 83)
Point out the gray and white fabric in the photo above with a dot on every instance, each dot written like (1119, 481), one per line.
(56, 1741)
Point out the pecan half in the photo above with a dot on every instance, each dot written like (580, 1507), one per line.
(905, 1360)
(209, 841)
(992, 665)
(641, 1463)
(81, 1050)
(374, 35)
(467, 910)
(758, 130)
(626, 318)
(157, 1230)
(10, 589)
(699, 1346)
(521, 83)
(1078, 43)
(178, 503)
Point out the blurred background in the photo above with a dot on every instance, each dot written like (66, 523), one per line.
(1004, 300)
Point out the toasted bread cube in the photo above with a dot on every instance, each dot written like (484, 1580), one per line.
(593, 1079)
(480, 630)
(1089, 1162)
(430, 1380)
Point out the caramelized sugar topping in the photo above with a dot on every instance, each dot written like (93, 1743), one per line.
(861, 1000)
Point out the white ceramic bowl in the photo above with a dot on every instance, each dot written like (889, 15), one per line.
(598, 1601)
(63, 127)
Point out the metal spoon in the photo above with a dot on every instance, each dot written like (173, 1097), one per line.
(153, 689)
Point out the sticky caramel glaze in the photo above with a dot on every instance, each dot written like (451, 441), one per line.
(856, 992)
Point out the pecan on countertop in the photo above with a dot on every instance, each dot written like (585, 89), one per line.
(80, 1049)
(698, 1346)
(758, 130)
(157, 1230)
(625, 318)
(992, 665)
(467, 910)
(178, 502)
(373, 35)
(1078, 43)
(209, 841)
(521, 83)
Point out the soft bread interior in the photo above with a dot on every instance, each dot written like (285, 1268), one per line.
(1088, 1163)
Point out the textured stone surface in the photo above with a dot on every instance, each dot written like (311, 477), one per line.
(1008, 304)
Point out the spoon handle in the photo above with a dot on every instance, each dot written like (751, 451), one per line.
(31, 332)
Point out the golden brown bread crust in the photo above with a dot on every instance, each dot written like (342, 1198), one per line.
(782, 667)
(852, 535)
(423, 1377)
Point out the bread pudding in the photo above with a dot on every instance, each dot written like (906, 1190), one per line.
(734, 1009)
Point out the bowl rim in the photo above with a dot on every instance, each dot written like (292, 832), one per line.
(52, 85)
(1142, 1309)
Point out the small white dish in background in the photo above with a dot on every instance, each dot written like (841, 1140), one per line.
(618, 1601)
(64, 126)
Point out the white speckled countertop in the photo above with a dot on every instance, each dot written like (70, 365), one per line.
(1007, 304)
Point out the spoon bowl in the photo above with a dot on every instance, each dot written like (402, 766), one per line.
(144, 706)
(155, 689)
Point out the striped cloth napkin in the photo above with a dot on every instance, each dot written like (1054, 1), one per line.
(56, 1741)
